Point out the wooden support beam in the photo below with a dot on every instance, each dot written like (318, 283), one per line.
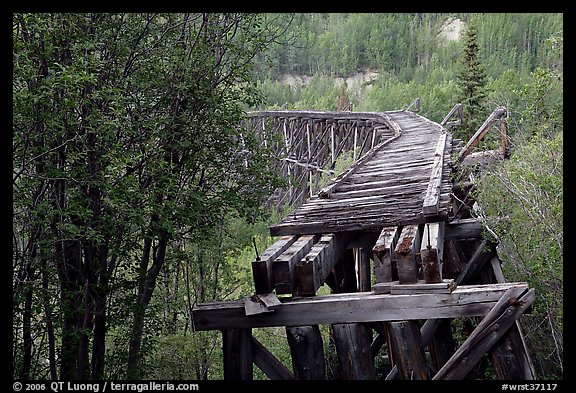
(370, 219)
(352, 341)
(408, 350)
(464, 301)
(363, 239)
(442, 344)
(313, 269)
(383, 252)
(482, 255)
(405, 255)
(344, 273)
(432, 198)
(307, 351)
(494, 325)
(237, 354)
(395, 288)
(482, 131)
(269, 364)
(283, 266)
(427, 332)
(262, 268)
(455, 108)
(467, 228)
(510, 356)
(431, 252)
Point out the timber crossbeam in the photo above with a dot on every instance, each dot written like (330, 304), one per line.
(464, 301)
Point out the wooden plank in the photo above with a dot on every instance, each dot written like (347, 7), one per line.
(383, 287)
(432, 198)
(341, 224)
(431, 252)
(262, 269)
(237, 354)
(464, 301)
(253, 306)
(404, 253)
(494, 325)
(408, 350)
(283, 265)
(351, 205)
(269, 364)
(352, 343)
(307, 351)
(446, 286)
(270, 300)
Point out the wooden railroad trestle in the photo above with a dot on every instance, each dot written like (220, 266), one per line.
(403, 259)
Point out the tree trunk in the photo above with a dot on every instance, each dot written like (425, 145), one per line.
(26, 330)
(144, 296)
(49, 323)
(68, 266)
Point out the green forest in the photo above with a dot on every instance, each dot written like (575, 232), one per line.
(137, 195)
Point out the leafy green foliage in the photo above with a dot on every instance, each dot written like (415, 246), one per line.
(528, 191)
(127, 139)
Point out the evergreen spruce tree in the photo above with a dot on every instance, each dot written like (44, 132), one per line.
(472, 83)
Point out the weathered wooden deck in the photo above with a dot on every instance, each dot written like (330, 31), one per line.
(393, 239)
(405, 179)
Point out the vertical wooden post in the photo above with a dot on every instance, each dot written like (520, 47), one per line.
(237, 354)
(287, 143)
(405, 255)
(352, 342)
(355, 141)
(264, 136)
(509, 356)
(333, 143)
(431, 252)
(307, 350)
(408, 350)
(383, 252)
(348, 272)
(442, 345)
(364, 280)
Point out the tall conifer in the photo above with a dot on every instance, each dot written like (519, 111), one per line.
(472, 83)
